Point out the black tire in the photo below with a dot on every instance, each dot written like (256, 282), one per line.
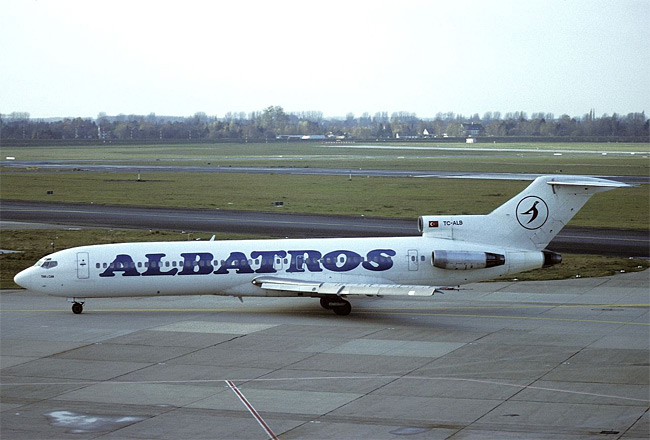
(77, 308)
(325, 303)
(343, 310)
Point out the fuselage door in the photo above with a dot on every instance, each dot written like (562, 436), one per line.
(413, 259)
(277, 263)
(83, 266)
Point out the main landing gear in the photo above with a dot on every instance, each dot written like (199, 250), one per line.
(338, 305)
(77, 305)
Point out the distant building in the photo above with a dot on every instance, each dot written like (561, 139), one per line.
(428, 134)
(301, 137)
(473, 129)
(399, 136)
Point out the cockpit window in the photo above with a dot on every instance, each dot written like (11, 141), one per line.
(46, 263)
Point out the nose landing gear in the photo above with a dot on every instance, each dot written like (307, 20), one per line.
(77, 305)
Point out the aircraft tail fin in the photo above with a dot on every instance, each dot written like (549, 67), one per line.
(529, 220)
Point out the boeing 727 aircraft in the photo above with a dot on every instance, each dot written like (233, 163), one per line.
(451, 251)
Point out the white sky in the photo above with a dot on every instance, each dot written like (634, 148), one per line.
(81, 57)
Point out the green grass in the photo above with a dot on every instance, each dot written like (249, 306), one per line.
(295, 149)
(413, 156)
(34, 244)
(583, 266)
(335, 195)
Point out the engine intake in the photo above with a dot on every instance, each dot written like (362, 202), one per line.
(466, 260)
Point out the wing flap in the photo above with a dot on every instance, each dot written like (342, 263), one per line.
(387, 290)
(316, 288)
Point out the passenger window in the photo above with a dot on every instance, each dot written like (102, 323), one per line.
(97, 266)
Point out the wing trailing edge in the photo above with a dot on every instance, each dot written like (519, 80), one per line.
(343, 289)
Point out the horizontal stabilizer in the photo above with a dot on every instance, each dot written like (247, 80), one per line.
(587, 182)
(341, 289)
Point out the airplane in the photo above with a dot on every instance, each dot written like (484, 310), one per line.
(451, 251)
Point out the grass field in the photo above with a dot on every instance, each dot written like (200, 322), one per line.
(296, 150)
(375, 196)
(34, 244)
(577, 158)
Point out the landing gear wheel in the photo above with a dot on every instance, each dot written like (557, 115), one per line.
(343, 310)
(77, 308)
(325, 303)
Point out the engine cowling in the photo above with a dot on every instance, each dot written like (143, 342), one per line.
(551, 258)
(466, 260)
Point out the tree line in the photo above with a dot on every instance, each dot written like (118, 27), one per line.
(274, 123)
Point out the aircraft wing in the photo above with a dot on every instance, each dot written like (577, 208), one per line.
(342, 289)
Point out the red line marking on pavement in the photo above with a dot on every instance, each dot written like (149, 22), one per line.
(252, 410)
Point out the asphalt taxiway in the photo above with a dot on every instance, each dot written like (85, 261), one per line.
(517, 360)
(602, 241)
(181, 167)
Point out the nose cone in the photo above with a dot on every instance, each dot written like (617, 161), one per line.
(25, 278)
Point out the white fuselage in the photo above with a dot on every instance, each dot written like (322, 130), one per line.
(229, 267)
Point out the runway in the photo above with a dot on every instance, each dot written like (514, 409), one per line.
(519, 360)
(629, 243)
(182, 167)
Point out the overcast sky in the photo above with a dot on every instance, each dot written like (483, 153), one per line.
(80, 57)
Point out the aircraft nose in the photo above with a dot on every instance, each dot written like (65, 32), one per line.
(24, 278)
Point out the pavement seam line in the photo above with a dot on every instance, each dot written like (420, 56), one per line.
(251, 409)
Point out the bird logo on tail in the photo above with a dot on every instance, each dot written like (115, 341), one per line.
(532, 212)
